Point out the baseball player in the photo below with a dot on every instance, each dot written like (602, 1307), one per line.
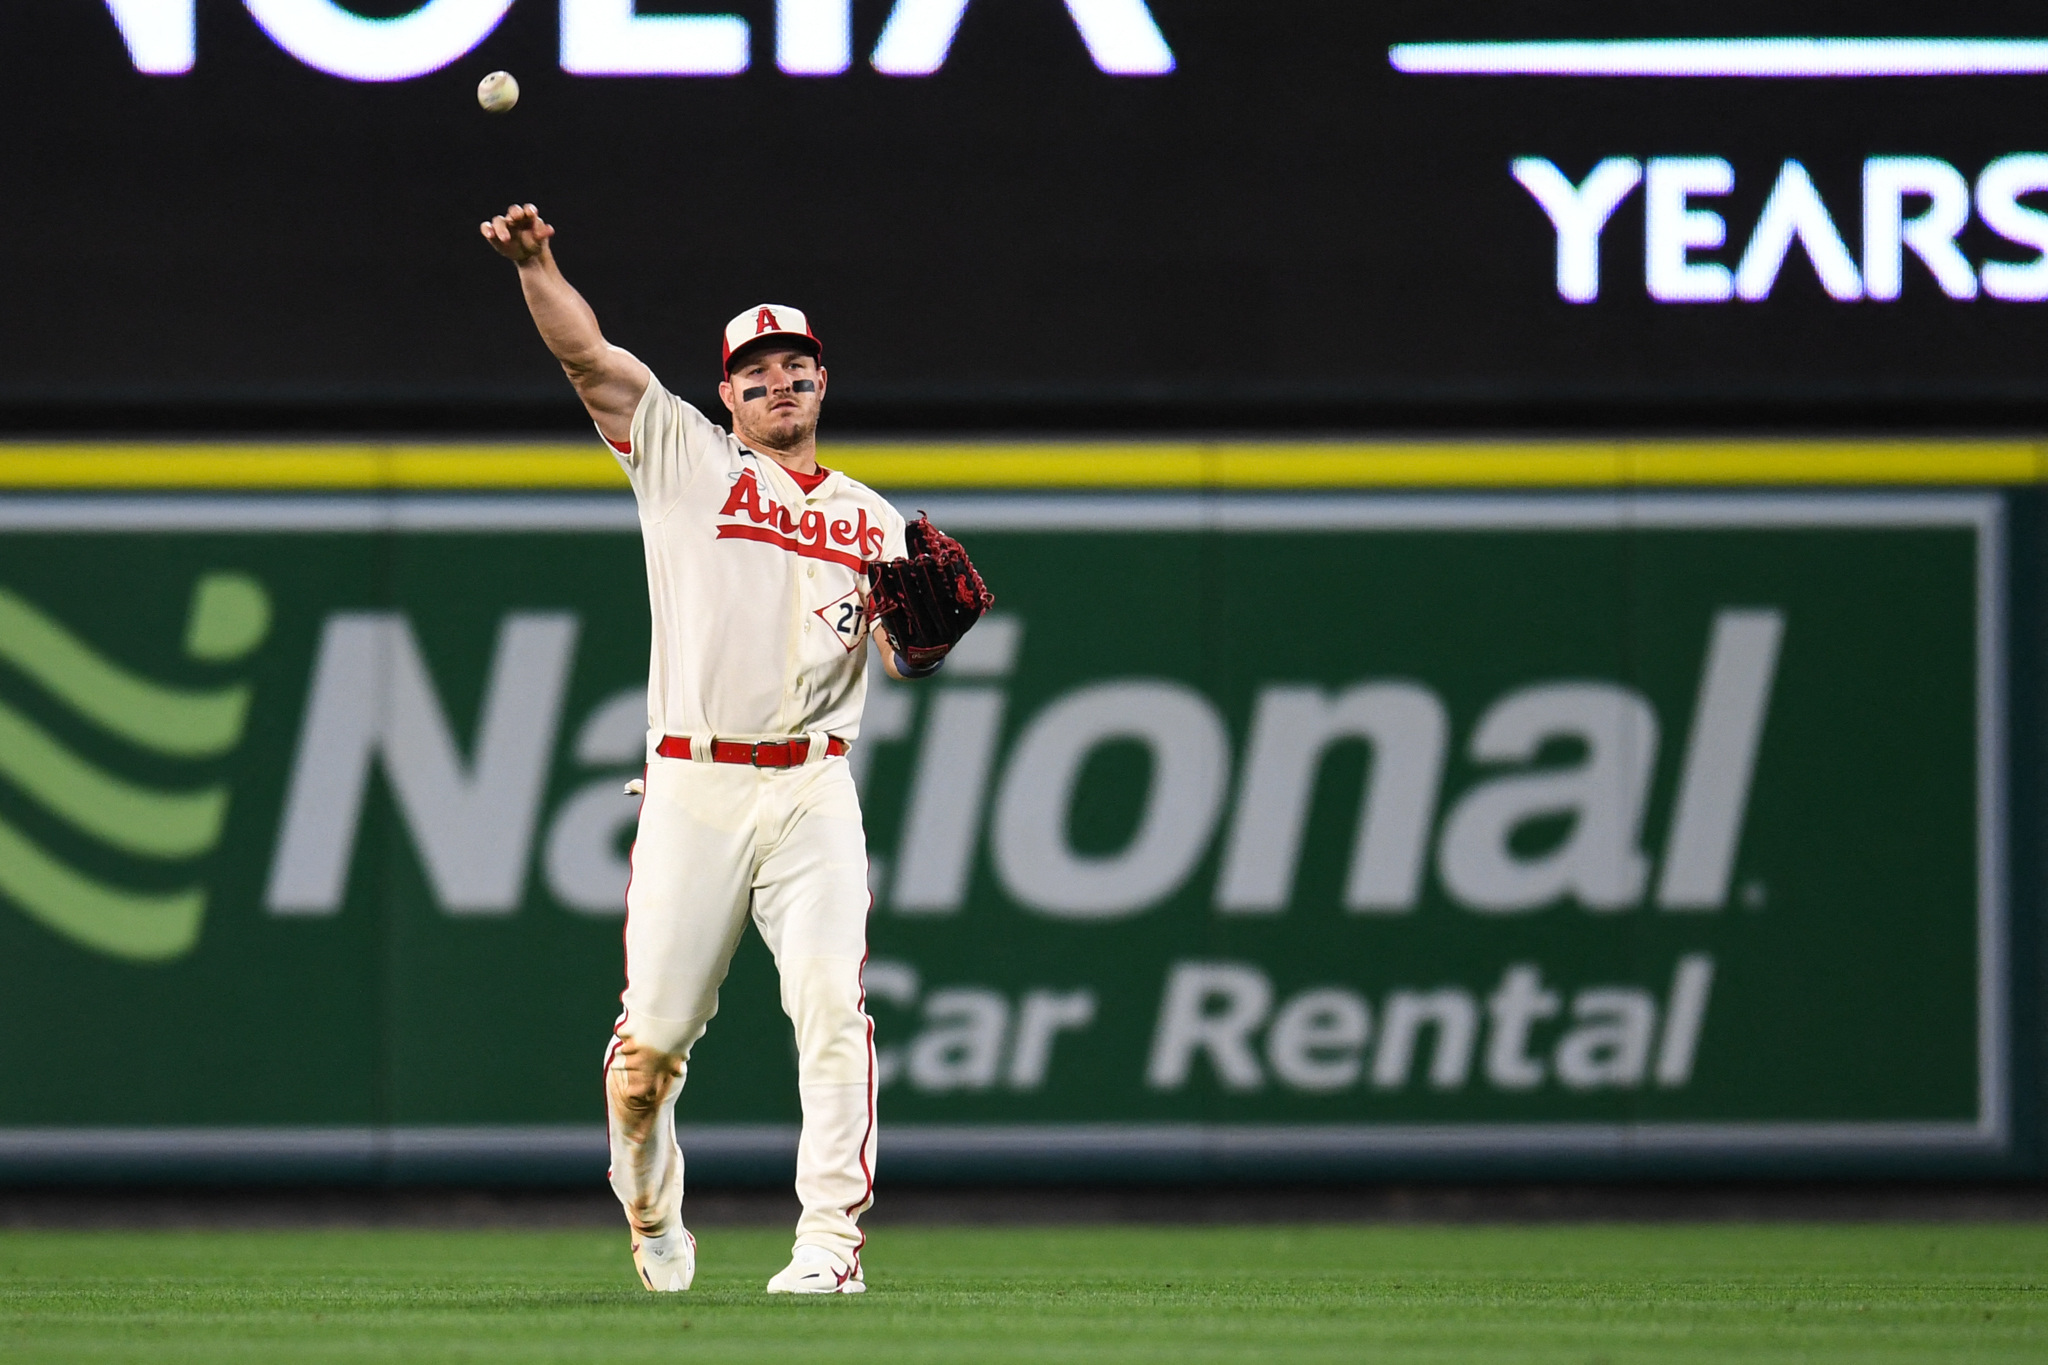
(762, 571)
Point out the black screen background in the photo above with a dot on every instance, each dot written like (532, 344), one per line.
(1284, 232)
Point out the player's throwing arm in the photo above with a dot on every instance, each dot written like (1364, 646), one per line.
(766, 575)
(608, 380)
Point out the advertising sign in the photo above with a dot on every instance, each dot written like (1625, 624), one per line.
(1329, 832)
(1089, 213)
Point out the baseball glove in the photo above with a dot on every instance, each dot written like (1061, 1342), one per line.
(927, 601)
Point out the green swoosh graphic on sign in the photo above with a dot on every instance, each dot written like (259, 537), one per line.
(130, 817)
(125, 924)
(181, 722)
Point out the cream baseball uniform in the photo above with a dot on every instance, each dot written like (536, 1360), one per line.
(759, 634)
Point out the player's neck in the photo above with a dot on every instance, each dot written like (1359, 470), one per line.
(799, 459)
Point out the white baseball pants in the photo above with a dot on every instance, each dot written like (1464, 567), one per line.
(716, 842)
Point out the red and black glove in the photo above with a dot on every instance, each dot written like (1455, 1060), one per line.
(929, 600)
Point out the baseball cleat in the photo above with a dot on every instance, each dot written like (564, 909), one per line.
(814, 1270)
(668, 1263)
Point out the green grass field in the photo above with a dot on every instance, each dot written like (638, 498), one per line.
(1580, 1294)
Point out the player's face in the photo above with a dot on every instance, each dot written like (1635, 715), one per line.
(775, 394)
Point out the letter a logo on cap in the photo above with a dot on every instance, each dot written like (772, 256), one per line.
(770, 320)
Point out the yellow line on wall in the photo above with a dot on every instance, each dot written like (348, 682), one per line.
(1050, 465)
(318, 465)
(1441, 464)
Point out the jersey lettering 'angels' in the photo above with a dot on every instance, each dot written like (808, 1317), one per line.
(773, 525)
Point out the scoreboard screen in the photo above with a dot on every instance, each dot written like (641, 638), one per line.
(1300, 213)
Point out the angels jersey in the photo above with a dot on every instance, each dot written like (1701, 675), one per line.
(754, 583)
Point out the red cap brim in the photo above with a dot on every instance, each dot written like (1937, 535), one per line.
(802, 340)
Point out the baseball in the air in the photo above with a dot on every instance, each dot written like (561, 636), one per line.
(497, 92)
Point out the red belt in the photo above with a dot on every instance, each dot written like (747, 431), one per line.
(776, 753)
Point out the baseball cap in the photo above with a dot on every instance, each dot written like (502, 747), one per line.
(770, 321)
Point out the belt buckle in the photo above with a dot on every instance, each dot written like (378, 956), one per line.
(754, 753)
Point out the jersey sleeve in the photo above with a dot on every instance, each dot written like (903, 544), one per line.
(893, 543)
(665, 446)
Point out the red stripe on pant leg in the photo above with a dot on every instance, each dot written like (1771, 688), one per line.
(625, 961)
(625, 942)
(610, 1053)
(867, 1171)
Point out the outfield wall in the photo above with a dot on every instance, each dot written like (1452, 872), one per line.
(1351, 810)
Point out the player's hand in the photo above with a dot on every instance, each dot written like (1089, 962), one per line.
(518, 234)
